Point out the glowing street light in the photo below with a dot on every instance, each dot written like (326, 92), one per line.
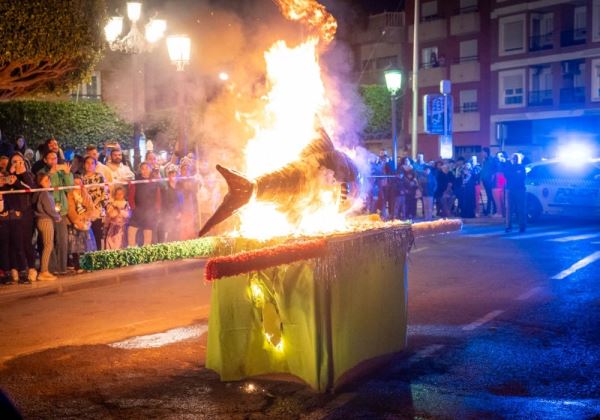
(179, 47)
(393, 81)
(134, 43)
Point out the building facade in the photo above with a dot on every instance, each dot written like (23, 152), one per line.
(453, 45)
(525, 74)
(545, 73)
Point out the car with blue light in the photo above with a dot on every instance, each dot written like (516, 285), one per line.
(563, 188)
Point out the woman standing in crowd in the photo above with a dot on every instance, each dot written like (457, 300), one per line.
(20, 223)
(144, 199)
(81, 213)
(117, 216)
(498, 185)
(45, 216)
(4, 261)
(99, 196)
(467, 205)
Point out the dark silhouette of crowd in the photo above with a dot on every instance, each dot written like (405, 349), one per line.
(449, 188)
(90, 205)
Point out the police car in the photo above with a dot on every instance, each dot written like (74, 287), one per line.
(559, 187)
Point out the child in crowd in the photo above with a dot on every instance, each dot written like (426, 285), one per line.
(117, 216)
(45, 216)
(81, 213)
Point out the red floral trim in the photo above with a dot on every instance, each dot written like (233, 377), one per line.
(436, 227)
(245, 262)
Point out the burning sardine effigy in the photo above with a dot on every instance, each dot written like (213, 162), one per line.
(294, 186)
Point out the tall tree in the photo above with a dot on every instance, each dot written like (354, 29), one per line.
(48, 45)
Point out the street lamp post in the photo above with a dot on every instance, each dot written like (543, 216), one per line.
(393, 80)
(134, 43)
(179, 47)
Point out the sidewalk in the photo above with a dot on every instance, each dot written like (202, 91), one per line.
(71, 283)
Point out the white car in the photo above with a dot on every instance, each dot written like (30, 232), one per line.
(563, 188)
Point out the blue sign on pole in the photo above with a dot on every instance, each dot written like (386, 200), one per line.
(437, 114)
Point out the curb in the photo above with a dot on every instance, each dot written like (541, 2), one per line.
(95, 279)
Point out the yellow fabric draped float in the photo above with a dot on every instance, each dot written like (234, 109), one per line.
(332, 313)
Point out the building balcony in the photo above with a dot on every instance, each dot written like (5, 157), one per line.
(466, 121)
(540, 97)
(464, 23)
(429, 31)
(573, 37)
(466, 70)
(541, 42)
(392, 34)
(574, 95)
(431, 76)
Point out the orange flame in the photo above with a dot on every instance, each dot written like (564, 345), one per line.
(297, 97)
(311, 13)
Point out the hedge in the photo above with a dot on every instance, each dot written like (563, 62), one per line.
(202, 247)
(75, 125)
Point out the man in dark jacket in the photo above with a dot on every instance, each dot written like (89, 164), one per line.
(516, 195)
(488, 169)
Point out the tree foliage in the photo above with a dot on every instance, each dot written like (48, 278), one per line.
(73, 124)
(48, 45)
(377, 100)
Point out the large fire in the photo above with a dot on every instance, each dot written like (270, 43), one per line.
(296, 99)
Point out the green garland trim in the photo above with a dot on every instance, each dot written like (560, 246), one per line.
(210, 246)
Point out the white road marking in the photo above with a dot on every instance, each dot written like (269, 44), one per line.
(482, 320)
(578, 265)
(433, 330)
(529, 293)
(423, 248)
(576, 237)
(161, 339)
(426, 352)
(541, 234)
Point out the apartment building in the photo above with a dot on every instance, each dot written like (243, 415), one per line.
(545, 74)
(453, 44)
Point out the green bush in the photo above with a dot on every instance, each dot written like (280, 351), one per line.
(75, 125)
(202, 247)
(377, 100)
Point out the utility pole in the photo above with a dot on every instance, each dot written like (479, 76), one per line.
(415, 81)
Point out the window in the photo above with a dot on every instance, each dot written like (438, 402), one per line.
(540, 85)
(90, 90)
(468, 50)
(512, 35)
(573, 82)
(429, 10)
(579, 23)
(467, 6)
(595, 80)
(512, 88)
(429, 57)
(596, 21)
(468, 100)
(542, 26)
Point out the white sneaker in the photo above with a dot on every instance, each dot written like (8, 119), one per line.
(46, 276)
(32, 274)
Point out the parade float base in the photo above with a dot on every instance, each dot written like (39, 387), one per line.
(323, 310)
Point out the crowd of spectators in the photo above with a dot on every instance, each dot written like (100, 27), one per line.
(95, 201)
(446, 188)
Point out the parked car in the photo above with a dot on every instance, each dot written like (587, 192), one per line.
(563, 188)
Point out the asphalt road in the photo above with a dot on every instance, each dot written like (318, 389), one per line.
(500, 325)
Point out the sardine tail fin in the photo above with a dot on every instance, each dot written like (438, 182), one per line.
(239, 194)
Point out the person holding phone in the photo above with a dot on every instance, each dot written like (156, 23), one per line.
(20, 221)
